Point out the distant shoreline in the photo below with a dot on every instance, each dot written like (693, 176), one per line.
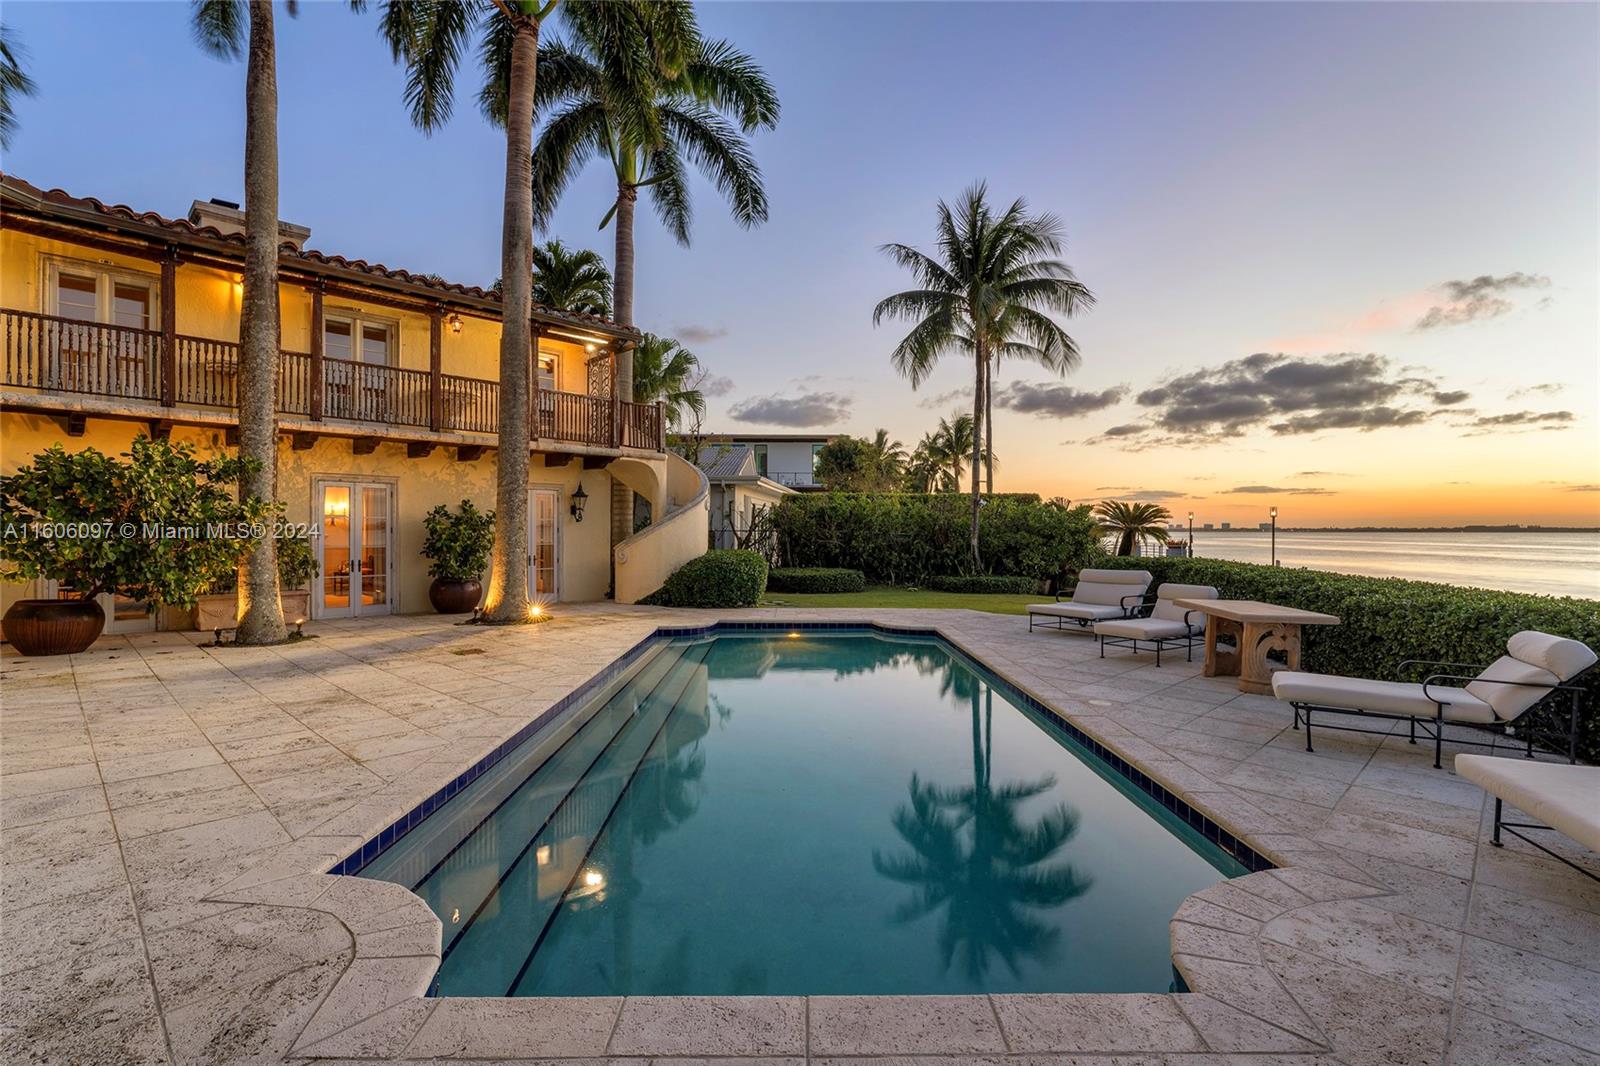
(1397, 529)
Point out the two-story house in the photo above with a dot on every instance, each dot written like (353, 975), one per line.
(790, 459)
(117, 322)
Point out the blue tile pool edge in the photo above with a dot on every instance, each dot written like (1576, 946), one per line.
(1252, 860)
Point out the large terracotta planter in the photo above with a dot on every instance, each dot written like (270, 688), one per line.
(454, 597)
(53, 627)
(220, 610)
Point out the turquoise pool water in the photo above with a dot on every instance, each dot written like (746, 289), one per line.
(810, 813)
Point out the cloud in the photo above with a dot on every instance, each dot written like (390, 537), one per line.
(1522, 419)
(693, 334)
(1289, 395)
(1127, 429)
(1570, 488)
(942, 401)
(1478, 298)
(1549, 388)
(1450, 399)
(1274, 490)
(717, 385)
(1056, 401)
(1319, 473)
(804, 411)
(1150, 495)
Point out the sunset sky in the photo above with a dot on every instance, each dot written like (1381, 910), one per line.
(1346, 256)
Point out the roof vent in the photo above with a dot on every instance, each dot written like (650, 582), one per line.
(226, 217)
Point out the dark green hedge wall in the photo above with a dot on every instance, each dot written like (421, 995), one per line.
(981, 583)
(723, 577)
(1385, 621)
(906, 538)
(815, 579)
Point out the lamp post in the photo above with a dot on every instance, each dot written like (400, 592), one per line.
(1191, 534)
(1274, 513)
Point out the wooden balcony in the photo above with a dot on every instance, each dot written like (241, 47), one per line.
(50, 355)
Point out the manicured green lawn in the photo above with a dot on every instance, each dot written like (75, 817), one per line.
(887, 596)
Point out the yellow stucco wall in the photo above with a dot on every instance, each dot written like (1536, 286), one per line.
(418, 486)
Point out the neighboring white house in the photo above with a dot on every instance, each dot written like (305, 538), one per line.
(787, 458)
(737, 490)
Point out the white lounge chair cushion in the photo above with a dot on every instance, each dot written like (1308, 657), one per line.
(1108, 587)
(1566, 798)
(1509, 701)
(1088, 612)
(1393, 697)
(1562, 656)
(1145, 629)
(1165, 608)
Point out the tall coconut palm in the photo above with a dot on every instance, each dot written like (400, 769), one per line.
(1131, 522)
(573, 280)
(651, 119)
(14, 82)
(228, 29)
(427, 37)
(665, 370)
(888, 459)
(987, 285)
(926, 468)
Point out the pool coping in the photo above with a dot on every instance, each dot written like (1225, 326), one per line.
(379, 1007)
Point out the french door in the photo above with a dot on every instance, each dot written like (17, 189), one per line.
(355, 549)
(543, 536)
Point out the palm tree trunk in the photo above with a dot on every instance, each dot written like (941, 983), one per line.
(988, 427)
(622, 301)
(977, 451)
(507, 600)
(260, 614)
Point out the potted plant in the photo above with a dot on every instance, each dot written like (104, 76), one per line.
(158, 525)
(458, 546)
(218, 607)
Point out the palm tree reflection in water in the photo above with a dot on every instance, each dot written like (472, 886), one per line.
(976, 861)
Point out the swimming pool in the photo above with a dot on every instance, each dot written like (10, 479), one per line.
(808, 812)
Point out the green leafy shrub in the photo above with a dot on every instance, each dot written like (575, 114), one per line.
(297, 565)
(983, 583)
(815, 579)
(458, 544)
(906, 538)
(158, 524)
(723, 577)
(1387, 620)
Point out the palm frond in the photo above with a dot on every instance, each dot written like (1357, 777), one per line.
(728, 80)
(220, 27)
(14, 82)
(720, 152)
(568, 141)
(428, 38)
(669, 191)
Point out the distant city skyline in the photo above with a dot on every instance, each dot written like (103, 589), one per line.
(1346, 255)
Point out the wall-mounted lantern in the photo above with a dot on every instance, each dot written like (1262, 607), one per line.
(454, 322)
(579, 499)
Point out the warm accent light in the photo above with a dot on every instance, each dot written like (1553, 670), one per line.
(588, 347)
(579, 500)
(542, 855)
(593, 878)
(535, 610)
(455, 322)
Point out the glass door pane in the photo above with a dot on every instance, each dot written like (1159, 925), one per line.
(544, 542)
(336, 550)
(374, 549)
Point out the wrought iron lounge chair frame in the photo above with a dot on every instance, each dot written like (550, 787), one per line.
(1085, 623)
(1512, 827)
(1188, 643)
(1434, 727)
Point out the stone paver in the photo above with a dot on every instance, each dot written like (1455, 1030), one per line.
(168, 812)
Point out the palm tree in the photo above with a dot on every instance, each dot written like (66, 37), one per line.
(428, 37)
(571, 280)
(927, 468)
(227, 29)
(953, 443)
(665, 370)
(1131, 522)
(1014, 344)
(14, 82)
(888, 459)
(987, 288)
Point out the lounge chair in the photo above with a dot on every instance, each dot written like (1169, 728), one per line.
(1100, 595)
(1565, 798)
(1495, 699)
(1166, 624)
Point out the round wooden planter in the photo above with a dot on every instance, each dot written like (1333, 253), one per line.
(53, 627)
(454, 597)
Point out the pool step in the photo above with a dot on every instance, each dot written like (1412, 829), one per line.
(511, 901)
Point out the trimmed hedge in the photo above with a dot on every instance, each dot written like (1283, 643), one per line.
(815, 579)
(723, 577)
(1387, 620)
(980, 583)
(907, 538)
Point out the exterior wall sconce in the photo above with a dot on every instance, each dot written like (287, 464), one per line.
(579, 499)
(454, 322)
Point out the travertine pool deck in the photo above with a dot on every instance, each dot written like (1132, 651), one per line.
(167, 810)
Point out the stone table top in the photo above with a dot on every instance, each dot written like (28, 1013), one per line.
(1256, 611)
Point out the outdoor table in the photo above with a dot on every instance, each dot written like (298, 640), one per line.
(1255, 628)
